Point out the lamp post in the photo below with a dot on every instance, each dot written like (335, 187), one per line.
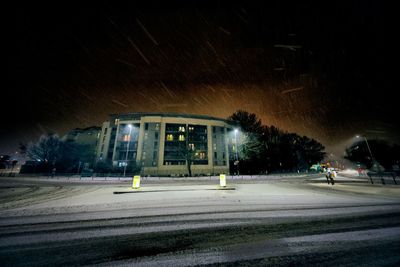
(127, 148)
(370, 153)
(369, 149)
(236, 150)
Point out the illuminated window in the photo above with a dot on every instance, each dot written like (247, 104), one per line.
(126, 137)
(182, 128)
(170, 137)
(200, 155)
(191, 146)
(116, 121)
(181, 137)
(191, 128)
(215, 146)
(157, 127)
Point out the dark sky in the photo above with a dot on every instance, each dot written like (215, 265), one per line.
(319, 69)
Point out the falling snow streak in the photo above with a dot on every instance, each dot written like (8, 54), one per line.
(224, 31)
(168, 91)
(146, 31)
(125, 62)
(298, 67)
(138, 50)
(292, 90)
(119, 103)
(91, 99)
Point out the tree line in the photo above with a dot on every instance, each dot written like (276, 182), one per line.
(50, 154)
(264, 149)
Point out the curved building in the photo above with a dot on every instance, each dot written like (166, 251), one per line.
(165, 144)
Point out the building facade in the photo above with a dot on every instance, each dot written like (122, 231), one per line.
(166, 143)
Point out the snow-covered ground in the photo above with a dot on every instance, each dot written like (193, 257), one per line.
(42, 216)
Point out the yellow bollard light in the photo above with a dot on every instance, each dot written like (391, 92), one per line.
(222, 180)
(136, 182)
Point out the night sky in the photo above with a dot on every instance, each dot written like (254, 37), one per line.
(320, 69)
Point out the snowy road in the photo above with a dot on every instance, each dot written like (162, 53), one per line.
(300, 221)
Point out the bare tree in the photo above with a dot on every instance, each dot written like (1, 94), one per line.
(189, 155)
(45, 150)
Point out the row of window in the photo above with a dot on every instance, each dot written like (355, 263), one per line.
(182, 147)
(171, 127)
(183, 162)
(182, 137)
(170, 137)
(176, 154)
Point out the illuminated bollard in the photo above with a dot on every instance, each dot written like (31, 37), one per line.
(222, 180)
(136, 182)
(222, 183)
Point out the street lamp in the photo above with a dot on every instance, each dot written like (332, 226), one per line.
(369, 149)
(127, 148)
(372, 158)
(236, 150)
